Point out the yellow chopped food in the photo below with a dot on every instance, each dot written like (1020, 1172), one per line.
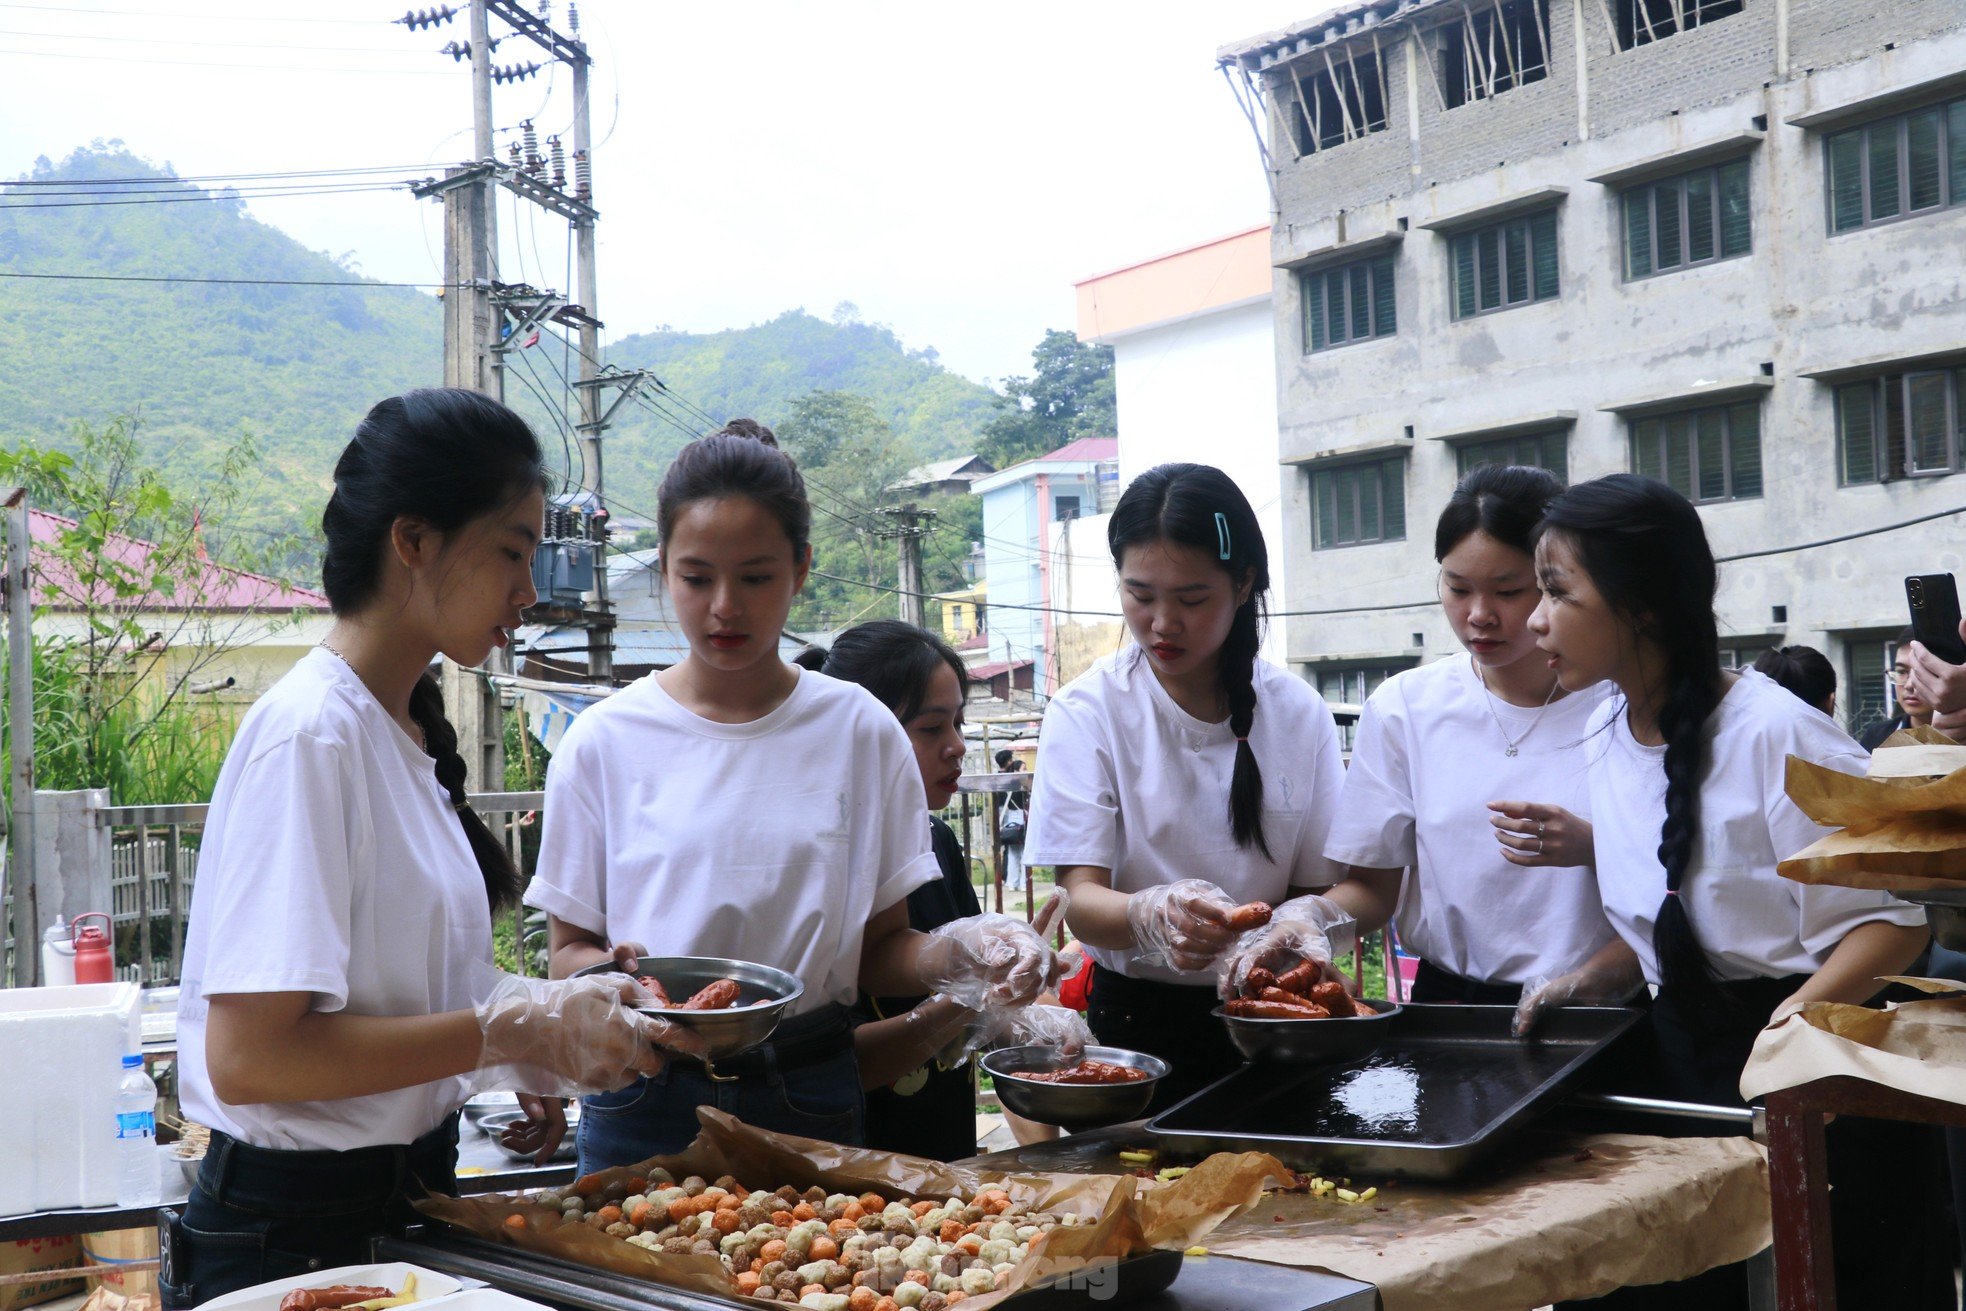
(1172, 1172)
(1368, 1194)
(1136, 1158)
(1195, 1251)
(1347, 1195)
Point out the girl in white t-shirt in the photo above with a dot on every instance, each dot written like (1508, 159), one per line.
(338, 1000)
(1183, 776)
(1691, 815)
(1439, 751)
(735, 805)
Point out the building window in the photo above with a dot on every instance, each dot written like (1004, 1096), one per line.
(1704, 455)
(1897, 167)
(1544, 450)
(1360, 503)
(1741, 656)
(1504, 265)
(1495, 50)
(1695, 218)
(1867, 699)
(1641, 22)
(1339, 102)
(1349, 303)
(1065, 507)
(1350, 685)
(1902, 425)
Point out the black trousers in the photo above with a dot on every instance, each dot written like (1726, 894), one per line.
(1433, 984)
(1888, 1215)
(259, 1213)
(1168, 1020)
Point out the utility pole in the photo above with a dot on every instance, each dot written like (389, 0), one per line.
(600, 654)
(911, 525)
(20, 713)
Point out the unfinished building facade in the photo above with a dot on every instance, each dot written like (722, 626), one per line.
(1718, 242)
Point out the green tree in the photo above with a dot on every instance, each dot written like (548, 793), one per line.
(112, 698)
(1069, 395)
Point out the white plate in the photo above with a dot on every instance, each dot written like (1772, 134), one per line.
(266, 1297)
(490, 1299)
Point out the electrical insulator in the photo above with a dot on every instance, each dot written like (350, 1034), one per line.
(518, 160)
(583, 175)
(457, 50)
(532, 145)
(559, 162)
(573, 18)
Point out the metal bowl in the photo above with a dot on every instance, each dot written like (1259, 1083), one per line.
(489, 1103)
(1311, 1042)
(1946, 909)
(763, 995)
(498, 1122)
(1073, 1105)
(188, 1166)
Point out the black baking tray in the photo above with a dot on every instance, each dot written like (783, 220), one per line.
(566, 1284)
(1448, 1086)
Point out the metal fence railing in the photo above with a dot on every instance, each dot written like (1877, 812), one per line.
(153, 866)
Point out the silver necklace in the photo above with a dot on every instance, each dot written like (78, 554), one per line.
(422, 738)
(1512, 743)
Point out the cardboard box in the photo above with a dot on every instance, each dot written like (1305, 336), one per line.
(113, 1251)
(27, 1255)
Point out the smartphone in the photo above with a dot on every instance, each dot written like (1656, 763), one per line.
(1934, 602)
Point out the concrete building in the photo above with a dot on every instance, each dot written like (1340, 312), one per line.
(1023, 507)
(1718, 241)
(1194, 369)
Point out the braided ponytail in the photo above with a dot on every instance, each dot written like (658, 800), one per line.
(1199, 506)
(447, 457)
(440, 740)
(1646, 552)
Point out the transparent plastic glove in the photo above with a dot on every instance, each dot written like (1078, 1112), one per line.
(1309, 928)
(565, 1037)
(1183, 925)
(1042, 1026)
(988, 961)
(1601, 982)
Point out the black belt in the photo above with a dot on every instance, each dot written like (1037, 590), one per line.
(807, 1040)
(312, 1182)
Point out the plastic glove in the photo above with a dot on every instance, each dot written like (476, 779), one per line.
(1609, 978)
(1311, 928)
(988, 961)
(1042, 1026)
(1184, 924)
(565, 1037)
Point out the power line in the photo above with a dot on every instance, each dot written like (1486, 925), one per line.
(208, 197)
(220, 282)
(185, 41)
(155, 179)
(1845, 537)
(217, 18)
(244, 68)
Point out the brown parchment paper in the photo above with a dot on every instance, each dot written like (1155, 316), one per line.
(1917, 1047)
(1899, 833)
(1124, 1222)
(1578, 1218)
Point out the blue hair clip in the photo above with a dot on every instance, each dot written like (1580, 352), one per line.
(1222, 533)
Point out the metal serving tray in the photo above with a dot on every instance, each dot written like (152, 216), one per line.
(566, 1284)
(1447, 1087)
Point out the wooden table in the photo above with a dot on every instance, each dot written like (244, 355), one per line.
(1798, 1175)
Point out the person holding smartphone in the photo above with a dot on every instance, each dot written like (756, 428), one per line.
(1936, 657)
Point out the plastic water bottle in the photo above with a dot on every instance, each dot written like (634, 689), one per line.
(136, 1137)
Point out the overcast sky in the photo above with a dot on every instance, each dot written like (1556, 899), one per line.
(950, 169)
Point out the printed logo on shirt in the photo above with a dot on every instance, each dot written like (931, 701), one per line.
(842, 819)
(1289, 788)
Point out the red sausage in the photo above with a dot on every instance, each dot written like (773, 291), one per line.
(336, 1295)
(1245, 1008)
(716, 997)
(1259, 979)
(1299, 979)
(653, 987)
(1250, 915)
(1333, 997)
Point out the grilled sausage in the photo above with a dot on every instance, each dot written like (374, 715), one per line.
(335, 1295)
(1259, 979)
(1279, 996)
(1252, 1009)
(1332, 996)
(718, 996)
(1299, 979)
(1088, 1071)
(1250, 915)
(653, 987)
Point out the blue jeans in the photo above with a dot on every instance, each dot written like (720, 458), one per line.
(656, 1116)
(259, 1213)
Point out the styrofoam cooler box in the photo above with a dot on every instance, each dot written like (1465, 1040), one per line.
(61, 1052)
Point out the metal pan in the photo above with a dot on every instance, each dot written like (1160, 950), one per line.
(1446, 1088)
(1304, 1042)
(764, 994)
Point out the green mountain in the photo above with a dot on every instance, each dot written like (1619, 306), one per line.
(296, 365)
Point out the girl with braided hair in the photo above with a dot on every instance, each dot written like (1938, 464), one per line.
(1183, 776)
(338, 1001)
(1691, 817)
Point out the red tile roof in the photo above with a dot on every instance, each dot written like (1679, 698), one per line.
(1087, 448)
(213, 586)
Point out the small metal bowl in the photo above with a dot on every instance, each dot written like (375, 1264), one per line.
(188, 1166)
(763, 995)
(498, 1122)
(1073, 1105)
(1311, 1042)
(1945, 908)
(490, 1103)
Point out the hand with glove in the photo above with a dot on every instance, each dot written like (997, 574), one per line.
(987, 960)
(1308, 928)
(1609, 978)
(1040, 1026)
(1184, 925)
(564, 1037)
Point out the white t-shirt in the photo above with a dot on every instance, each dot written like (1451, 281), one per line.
(332, 864)
(1427, 760)
(1751, 921)
(1130, 782)
(773, 841)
